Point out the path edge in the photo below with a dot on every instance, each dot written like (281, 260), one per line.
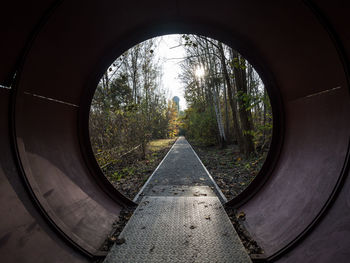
(155, 170)
(223, 197)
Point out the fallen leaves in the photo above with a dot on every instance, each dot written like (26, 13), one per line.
(144, 203)
(112, 239)
(118, 226)
(249, 243)
(230, 170)
(199, 194)
(119, 241)
(241, 215)
(131, 184)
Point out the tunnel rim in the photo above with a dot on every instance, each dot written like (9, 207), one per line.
(229, 38)
(345, 162)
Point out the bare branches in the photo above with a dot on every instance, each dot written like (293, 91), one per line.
(228, 80)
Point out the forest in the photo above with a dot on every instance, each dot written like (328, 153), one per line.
(227, 102)
(129, 107)
(227, 108)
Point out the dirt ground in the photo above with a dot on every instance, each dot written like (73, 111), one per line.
(129, 174)
(229, 169)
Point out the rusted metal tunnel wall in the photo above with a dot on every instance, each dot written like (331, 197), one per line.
(55, 204)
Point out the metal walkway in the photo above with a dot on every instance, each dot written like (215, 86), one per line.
(180, 217)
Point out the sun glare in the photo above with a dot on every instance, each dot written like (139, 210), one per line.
(199, 72)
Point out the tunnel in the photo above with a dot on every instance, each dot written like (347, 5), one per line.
(56, 204)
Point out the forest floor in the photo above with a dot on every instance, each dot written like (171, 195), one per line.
(230, 170)
(129, 174)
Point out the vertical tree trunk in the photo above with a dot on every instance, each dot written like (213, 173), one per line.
(227, 120)
(215, 94)
(216, 102)
(264, 117)
(107, 79)
(232, 100)
(244, 112)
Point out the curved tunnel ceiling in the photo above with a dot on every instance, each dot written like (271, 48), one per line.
(58, 207)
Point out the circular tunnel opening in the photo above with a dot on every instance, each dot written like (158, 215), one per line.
(181, 85)
(290, 147)
(48, 157)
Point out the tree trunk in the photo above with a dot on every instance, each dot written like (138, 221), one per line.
(232, 100)
(227, 120)
(215, 94)
(216, 103)
(244, 112)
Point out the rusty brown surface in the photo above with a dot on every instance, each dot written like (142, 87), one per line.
(50, 155)
(24, 235)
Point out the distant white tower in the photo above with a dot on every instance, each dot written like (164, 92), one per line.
(176, 99)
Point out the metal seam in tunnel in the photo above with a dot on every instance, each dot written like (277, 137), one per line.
(38, 27)
(346, 167)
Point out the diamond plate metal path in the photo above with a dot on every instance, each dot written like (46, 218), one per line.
(181, 167)
(179, 218)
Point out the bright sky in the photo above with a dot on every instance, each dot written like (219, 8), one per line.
(170, 53)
